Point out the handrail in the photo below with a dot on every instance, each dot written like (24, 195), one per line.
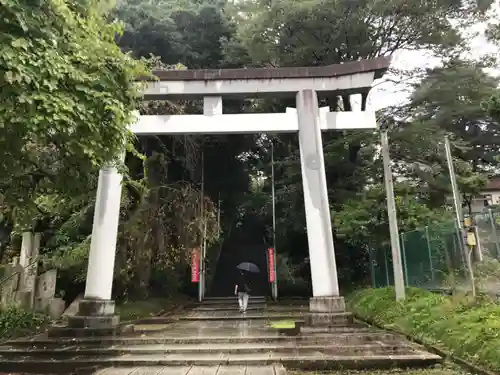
(18, 272)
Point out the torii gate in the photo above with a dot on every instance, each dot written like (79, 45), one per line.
(305, 84)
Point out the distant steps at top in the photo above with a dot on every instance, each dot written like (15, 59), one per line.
(253, 300)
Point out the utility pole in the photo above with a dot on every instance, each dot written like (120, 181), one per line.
(454, 187)
(399, 283)
(275, 282)
(201, 283)
(458, 213)
(218, 215)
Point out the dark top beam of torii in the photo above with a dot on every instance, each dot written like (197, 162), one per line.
(348, 78)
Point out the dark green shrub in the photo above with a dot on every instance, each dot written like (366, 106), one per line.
(14, 320)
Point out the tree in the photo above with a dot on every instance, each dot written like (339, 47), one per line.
(161, 206)
(187, 32)
(314, 32)
(447, 101)
(364, 220)
(293, 33)
(67, 97)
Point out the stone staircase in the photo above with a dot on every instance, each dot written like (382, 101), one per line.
(215, 338)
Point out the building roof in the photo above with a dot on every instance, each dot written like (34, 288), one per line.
(493, 184)
(378, 65)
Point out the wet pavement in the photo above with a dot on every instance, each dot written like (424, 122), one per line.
(218, 328)
(203, 314)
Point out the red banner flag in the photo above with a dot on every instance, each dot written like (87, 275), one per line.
(195, 266)
(271, 265)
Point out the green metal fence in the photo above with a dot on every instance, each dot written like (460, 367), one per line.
(433, 258)
(488, 227)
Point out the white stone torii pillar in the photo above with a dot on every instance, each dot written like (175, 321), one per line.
(101, 265)
(318, 221)
(97, 310)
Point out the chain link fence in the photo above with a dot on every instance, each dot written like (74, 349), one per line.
(433, 257)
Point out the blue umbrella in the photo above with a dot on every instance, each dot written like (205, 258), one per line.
(249, 267)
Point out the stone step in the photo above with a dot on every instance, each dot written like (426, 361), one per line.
(232, 298)
(319, 329)
(358, 339)
(256, 306)
(311, 361)
(331, 320)
(155, 320)
(64, 331)
(232, 301)
(235, 304)
(287, 308)
(195, 370)
(241, 317)
(350, 336)
(216, 349)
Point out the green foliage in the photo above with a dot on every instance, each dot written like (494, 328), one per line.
(318, 32)
(290, 282)
(447, 101)
(446, 369)
(71, 257)
(466, 328)
(301, 33)
(491, 104)
(364, 220)
(67, 77)
(187, 32)
(449, 98)
(67, 98)
(15, 320)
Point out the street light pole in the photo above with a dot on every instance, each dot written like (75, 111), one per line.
(399, 283)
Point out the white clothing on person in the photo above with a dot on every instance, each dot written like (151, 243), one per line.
(243, 300)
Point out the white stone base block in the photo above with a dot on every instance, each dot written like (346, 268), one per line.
(326, 305)
(327, 312)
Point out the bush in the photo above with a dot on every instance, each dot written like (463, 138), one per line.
(467, 328)
(15, 320)
(290, 284)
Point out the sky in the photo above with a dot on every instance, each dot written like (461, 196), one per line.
(388, 93)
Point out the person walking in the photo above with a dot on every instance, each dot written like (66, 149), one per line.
(242, 290)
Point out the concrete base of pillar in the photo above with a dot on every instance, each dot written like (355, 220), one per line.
(327, 305)
(92, 322)
(327, 312)
(96, 314)
(94, 318)
(96, 307)
(328, 319)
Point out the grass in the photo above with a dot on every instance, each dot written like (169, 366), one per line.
(283, 324)
(132, 310)
(469, 329)
(438, 370)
